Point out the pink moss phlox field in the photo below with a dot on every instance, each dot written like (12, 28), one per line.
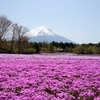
(38, 77)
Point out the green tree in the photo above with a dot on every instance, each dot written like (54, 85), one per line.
(51, 48)
(36, 48)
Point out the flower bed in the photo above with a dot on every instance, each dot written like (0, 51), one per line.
(38, 77)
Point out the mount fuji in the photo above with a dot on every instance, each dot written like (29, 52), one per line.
(44, 33)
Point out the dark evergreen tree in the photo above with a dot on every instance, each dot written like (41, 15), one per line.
(36, 48)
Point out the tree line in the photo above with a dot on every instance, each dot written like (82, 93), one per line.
(14, 40)
(12, 36)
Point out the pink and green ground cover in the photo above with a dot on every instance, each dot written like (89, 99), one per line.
(39, 77)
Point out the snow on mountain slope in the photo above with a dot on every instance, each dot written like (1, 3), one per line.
(43, 33)
(40, 31)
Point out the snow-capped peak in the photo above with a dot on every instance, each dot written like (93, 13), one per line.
(43, 33)
(40, 31)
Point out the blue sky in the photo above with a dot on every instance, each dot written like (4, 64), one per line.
(77, 20)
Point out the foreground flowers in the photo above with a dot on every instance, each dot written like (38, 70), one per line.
(36, 77)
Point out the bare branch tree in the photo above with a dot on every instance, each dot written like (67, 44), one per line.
(19, 36)
(14, 35)
(5, 25)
